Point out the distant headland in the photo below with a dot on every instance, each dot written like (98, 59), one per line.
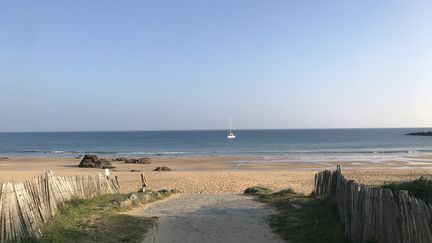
(420, 134)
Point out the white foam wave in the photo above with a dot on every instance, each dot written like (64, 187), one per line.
(155, 153)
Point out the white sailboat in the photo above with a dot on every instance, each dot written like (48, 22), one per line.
(231, 135)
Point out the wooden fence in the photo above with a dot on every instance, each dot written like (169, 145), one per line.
(26, 206)
(374, 213)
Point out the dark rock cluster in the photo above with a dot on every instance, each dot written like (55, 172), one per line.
(134, 161)
(4, 158)
(163, 168)
(420, 134)
(92, 161)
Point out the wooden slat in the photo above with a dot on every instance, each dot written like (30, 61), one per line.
(374, 213)
(26, 206)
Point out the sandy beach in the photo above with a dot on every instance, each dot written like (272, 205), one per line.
(222, 174)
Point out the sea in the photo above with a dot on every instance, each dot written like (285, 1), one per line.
(282, 145)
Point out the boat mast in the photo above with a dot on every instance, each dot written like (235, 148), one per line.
(230, 124)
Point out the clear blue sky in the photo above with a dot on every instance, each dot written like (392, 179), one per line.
(146, 65)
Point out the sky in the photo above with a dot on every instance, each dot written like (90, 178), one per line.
(180, 65)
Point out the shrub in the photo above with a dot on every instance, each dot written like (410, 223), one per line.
(420, 188)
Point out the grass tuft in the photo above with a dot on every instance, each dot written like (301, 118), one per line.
(96, 220)
(257, 190)
(304, 218)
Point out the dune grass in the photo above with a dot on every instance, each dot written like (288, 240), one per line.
(420, 188)
(302, 218)
(96, 220)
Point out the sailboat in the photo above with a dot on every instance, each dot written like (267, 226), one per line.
(231, 135)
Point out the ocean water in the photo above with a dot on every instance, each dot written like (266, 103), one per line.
(272, 145)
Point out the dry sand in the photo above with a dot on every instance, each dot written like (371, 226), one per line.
(222, 174)
(198, 214)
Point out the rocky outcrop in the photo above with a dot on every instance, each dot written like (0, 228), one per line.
(92, 161)
(163, 168)
(419, 134)
(134, 161)
(4, 158)
(138, 161)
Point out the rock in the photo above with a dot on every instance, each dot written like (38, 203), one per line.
(419, 134)
(138, 161)
(4, 158)
(145, 197)
(133, 197)
(135, 170)
(140, 198)
(133, 161)
(163, 168)
(144, 161)
(164, 191)
(92, 161)
(122, 201)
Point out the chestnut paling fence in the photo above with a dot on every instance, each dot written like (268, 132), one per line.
(26, 206)
(374, 213)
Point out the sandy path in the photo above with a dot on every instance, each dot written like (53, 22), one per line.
(209, 218)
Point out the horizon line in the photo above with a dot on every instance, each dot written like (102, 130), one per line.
(209, 129)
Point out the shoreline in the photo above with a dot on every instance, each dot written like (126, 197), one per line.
(252, 158)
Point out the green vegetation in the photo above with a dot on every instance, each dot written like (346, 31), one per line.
(302, 218)
(257, 190)
(420, 188)
(98, 220)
